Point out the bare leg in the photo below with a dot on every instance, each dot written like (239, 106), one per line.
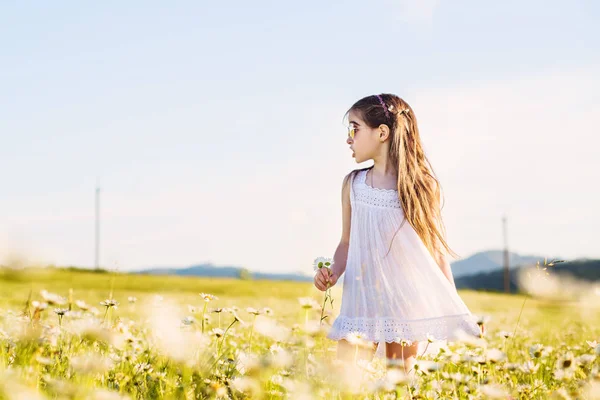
(394, 351)
(347, 351)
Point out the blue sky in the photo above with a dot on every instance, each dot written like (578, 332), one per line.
(215, 130)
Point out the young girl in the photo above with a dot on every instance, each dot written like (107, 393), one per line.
(398, 288)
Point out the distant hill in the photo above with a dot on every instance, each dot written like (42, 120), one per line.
(474, 269)
(584, 269)
(487, 261)
(211, 270)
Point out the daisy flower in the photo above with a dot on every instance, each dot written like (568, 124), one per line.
(39, 305)
(61, 311)
(53, 299)
(536, 350)
(208, 297)
(82, 305)
(252, 310)
(404, 342)
(308, 302)
(109, 303)
(321, 262)
(356, 338)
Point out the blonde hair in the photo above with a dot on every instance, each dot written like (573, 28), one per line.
(419, 191)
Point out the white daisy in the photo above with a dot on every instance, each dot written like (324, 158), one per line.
(426, 366)
(505, 334)
(495, 355)
(82, 305)
(189, 320)
(53, 299)
(61, 311)
(321, 262)
(218, 332)
(404, 342)
(483, 319)
(529, 367)
(494, 391)
(109, 303)
(536, 350)
(308, 303)
(208, 297)
(252, 310)
(586, 359)
(266, 311)
(356, 338)
(566, 361)
(39, 305)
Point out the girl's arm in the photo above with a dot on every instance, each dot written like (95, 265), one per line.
(322, 279)
(339, 259)
(341, 253)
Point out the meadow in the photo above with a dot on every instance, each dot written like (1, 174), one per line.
(86, 335)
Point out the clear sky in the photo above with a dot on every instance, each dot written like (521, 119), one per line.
(215, 128)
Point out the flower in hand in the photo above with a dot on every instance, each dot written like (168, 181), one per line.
(324, 279)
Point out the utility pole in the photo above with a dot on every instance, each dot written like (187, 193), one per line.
(97, 236)
(506, 259)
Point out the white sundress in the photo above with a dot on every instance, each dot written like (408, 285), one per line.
(402, 296)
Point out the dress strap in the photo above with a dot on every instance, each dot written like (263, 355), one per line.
(351, 182)
(361, 177)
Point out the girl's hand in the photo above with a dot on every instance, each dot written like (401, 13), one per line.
(323, 277)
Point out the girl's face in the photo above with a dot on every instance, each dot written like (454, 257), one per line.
(365, 144)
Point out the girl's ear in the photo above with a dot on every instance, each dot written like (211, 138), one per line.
(384, 132)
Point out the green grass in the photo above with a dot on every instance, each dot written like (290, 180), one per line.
(565, 326)
(94, 287)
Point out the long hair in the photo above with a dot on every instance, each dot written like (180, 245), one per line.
(419, 191)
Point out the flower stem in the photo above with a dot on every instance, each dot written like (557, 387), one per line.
(403, 362)
(327, 295)
(203, 311)
(252, 330)
(425, 351)
(225, 334)
(519, 319)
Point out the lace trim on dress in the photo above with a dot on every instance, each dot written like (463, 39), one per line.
(375, 196)
(394, 330)
(363, 180)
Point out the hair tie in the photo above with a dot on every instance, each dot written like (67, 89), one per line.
(387, 114)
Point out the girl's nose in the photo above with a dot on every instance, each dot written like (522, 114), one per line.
(349, 140)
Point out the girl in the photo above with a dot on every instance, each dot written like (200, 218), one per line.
(398, 288)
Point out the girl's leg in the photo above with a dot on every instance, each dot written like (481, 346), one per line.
(347, 351)
(395, 353)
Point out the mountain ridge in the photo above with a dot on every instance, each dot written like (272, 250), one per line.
(480, 262)
(489, 260)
